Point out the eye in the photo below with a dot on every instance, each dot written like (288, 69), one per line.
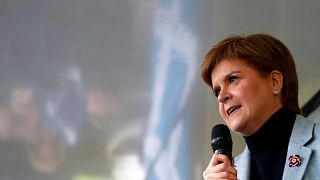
(216, 92)
(232, 79)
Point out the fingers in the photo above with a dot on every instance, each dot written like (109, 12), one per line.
(220, 168)
(220, 176)
(220, 171)
(219, 158)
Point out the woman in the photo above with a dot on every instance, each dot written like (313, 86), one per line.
(255, 82)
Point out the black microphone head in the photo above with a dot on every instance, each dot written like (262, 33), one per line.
(221, 138)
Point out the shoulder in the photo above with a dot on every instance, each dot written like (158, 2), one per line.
(306, 131)
(306, 124)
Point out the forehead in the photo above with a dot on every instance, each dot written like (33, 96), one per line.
(226, 67)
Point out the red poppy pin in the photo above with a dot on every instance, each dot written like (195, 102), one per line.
(294, 161)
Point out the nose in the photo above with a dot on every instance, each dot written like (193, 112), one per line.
(224, 96)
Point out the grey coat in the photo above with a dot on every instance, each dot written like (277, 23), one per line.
(304, 141)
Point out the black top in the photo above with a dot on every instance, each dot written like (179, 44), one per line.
(269, 145)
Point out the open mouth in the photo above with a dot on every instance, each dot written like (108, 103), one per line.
(233, 109)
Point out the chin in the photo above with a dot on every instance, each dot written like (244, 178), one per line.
(237, 124)
(235, 127)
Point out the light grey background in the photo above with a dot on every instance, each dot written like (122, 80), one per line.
(109, 44)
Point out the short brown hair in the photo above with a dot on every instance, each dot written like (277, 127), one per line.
(263, 53)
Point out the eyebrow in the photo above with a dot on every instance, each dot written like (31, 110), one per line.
(225, 78)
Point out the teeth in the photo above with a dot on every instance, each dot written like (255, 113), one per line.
(232, 109)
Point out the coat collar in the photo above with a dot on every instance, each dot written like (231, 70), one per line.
(301, 134)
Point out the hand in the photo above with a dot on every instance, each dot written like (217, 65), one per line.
(220, 168)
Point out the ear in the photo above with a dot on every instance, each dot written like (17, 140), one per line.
(277, 80)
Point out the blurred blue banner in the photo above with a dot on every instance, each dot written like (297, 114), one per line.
(174, 64)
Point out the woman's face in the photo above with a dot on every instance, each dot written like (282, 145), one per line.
(245, 98)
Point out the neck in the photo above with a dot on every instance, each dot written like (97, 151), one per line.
(258, 124)
(276, 130)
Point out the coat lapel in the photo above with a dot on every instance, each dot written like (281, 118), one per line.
(301, 134)
(243, 165)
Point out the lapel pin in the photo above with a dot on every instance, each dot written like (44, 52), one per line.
(294, 161)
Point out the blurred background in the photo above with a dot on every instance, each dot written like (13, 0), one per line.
(111, 89)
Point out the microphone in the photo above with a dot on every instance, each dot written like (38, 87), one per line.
(221, 141)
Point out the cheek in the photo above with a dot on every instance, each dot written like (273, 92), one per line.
(222, 111)
(254, 98)
(248, 94)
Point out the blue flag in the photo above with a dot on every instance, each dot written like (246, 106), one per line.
(174, 64)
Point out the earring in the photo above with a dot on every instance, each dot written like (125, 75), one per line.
(276, 92)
